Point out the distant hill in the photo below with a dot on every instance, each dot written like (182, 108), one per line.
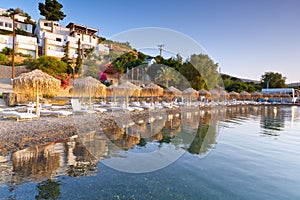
(294, 84)
(241, 79)
(118, 48)
(249, 80)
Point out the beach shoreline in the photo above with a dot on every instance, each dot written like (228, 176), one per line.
(16, 136)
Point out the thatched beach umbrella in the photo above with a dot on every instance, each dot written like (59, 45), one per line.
(152, 90)
(89, 87)
(245, 95)
(234, 95)
(214, 94)
(224, 94)
(38, 83)
(190, 93)
(127, 89)
(204, 93)
(172, 92)
(256, 95)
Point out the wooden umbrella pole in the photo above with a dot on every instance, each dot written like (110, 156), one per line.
(37, 101)
(90, 99)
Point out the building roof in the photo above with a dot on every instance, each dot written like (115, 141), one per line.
(71, 24)
(149, 59)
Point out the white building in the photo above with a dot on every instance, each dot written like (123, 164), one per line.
(6, 23)
(57, 41)
(23, 44)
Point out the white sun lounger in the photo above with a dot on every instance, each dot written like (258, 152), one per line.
(18, 115)
(58, 113)
(100, 109)
(77, 109)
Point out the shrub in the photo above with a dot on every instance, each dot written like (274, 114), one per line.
(7, 51)
(2, 57)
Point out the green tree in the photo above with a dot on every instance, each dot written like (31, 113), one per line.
(207, 68)
(48, 190)
(175, 63)
(51, 10)
(273, 80)
(192, 75)
(118, 66)
(201, 72)
(167, 74)
(22, 13)
(47, 64)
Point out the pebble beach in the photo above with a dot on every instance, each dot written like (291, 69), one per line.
(16, 135)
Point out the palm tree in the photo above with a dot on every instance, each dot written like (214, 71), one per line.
(118, 66)
(167, 74)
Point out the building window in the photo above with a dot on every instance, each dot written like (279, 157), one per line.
(1, 23)
(47, 24)
(9, 25)
(58, 39)
(23, 27)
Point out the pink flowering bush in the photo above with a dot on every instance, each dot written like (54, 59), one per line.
(63, 77)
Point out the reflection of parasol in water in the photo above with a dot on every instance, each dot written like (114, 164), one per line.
(36, 83)
(89, 87)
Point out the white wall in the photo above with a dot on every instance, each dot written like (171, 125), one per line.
(26, 45)
(4, 22)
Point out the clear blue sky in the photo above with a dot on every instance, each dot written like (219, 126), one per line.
(246, 37)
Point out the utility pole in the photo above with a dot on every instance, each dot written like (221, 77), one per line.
(13, 50)
(160, 47)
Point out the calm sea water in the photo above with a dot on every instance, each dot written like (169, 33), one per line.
(236, 153)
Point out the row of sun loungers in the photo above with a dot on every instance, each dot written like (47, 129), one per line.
(28, 112)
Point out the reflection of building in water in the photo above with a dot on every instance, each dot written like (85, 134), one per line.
(50, 160)
(36, 163)
(272, 120)
(96, 143)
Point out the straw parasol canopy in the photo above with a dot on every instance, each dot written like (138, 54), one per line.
(234, 95)
(224, 94)
(152, 90)
(36, 83)
(214, 94)
(110, 90)
(127, 89)
(89, 87)
(245, 95)
(256, 95)
(172, 92)
(190, 93)
(204, 93)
